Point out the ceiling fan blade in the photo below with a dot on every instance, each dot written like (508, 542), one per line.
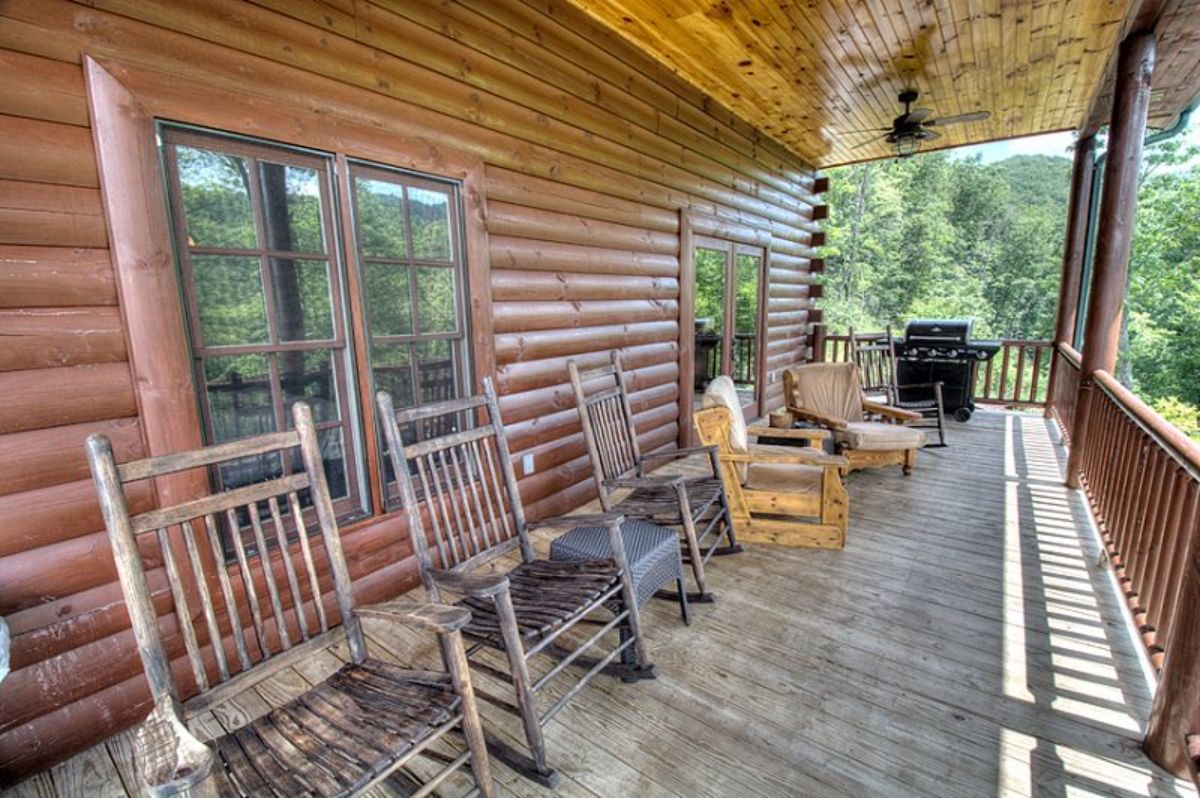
(918, 115)
(867, 130)
(975, 116)
(930, 135)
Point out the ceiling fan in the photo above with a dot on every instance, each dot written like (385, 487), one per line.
(913, 127)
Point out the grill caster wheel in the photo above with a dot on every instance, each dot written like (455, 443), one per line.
(962, 414)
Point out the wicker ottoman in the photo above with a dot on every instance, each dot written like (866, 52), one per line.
(652, 552)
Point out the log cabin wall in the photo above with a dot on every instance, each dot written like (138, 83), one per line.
(593, 156)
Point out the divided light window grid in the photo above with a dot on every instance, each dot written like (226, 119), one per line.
(263, 290)
(411, 274)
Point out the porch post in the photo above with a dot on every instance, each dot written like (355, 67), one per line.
(1073, 249)
(1127, 130)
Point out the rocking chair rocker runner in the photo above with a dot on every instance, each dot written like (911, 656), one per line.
(342, 736)
(462, 485)
(698, 506)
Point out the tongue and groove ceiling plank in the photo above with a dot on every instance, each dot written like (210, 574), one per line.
(810, 73)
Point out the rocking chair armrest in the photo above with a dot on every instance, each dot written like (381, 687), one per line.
(472, 585)
(675, 454)
(818, 418)
(440, 618)
(920, 385)
(643, 482)
(172, 760)
(573, 521)
(788, 432)
(897, 413)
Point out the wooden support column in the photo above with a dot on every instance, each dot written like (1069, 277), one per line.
(1127, 131)
(1073, 251)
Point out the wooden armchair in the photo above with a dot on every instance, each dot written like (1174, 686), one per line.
(770, 487)
(697, 506)
(461, 484)
(342, 736)
(830, 395)
(875, 356)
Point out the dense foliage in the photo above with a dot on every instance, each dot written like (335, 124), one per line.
(936, 236)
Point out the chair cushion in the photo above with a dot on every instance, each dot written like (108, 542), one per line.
(652, 552)
(831, 389)
(874, 436)
(722, 393)
(784, 477)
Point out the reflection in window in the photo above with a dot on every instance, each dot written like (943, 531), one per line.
(710, 315)
(264, 300)
(411, 264)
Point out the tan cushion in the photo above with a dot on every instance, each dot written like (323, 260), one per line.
(831, 389)
(784, 477)
(874, 436)
(722, 393)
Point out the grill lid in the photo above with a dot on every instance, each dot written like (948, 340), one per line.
(941, 331)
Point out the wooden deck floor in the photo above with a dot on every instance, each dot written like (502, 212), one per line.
(965, 643)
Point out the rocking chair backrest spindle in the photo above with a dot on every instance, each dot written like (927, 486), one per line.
(875, 356)
(608, 428)
(460, 484)
(245, 635)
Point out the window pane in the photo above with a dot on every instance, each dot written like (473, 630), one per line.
(229, 294)
(291, 208)
(303, 308)
(380, 218)
(333, 455)
(430, 219)
(435, 299)
(745, 355)
(435, 371)
(239, 396)
(710, 315)
(216, 199)
(310, 376)
(389, 302)
(391, 365)
(250, 470)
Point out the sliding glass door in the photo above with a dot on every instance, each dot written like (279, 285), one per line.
(728, 313)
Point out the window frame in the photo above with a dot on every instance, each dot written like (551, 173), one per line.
(357, 503)
(126, 100)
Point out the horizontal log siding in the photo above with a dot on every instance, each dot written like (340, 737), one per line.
(591, 150)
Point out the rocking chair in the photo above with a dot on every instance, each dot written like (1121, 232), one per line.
(689, 503)
(462, 485)
(770, 486)
(875, 356)
(340, 737)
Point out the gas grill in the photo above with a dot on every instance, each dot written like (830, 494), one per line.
(941, 350)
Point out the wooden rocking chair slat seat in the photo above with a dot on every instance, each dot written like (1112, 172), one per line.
(464, 513)
(697, 506)
(363, 723)
(546, 596)
(348, 730)
(660, 503)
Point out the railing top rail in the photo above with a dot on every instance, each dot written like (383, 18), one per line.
(1025, 342)
(1166, 434)
(1071, 354)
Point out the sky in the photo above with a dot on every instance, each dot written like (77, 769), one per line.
(1048, 144)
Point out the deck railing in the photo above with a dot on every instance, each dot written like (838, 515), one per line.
(1017, 376)
(1142, 478)
(1066, 389)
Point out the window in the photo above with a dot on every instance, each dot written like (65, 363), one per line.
(258, 236)
(728, 308)
(410, 265)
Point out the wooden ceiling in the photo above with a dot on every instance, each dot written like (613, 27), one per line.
(811, 72)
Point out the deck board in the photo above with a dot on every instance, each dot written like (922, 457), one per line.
(967, 642)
